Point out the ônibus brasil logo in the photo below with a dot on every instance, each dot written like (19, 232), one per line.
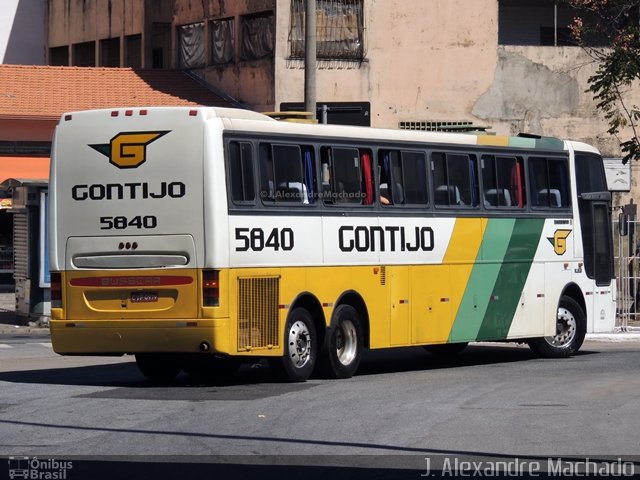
(128, 149)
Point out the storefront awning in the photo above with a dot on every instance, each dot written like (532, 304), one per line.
(36, 168)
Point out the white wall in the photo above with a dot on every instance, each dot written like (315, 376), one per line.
(22, 32)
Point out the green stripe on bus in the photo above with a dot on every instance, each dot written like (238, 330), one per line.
(522, 142)
(511, 279)
(549, 143)
(481, 282)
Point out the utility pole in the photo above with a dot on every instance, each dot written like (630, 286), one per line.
(310, 57)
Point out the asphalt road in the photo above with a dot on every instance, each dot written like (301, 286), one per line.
(492, 402)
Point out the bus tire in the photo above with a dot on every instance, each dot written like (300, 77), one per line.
(446, 349)
(342, 349)
(157, 366)
(300, 347)
(571, 327)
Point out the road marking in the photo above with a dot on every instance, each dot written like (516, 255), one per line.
(42, 344)
(4, 345)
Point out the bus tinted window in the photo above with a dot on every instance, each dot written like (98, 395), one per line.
(347, 176)
(590, 175)
(502, 182)
(549, 182)
(282, 174)
(455, 180)
(241, 172)
(403, 178)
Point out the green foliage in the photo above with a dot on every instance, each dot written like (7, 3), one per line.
(614, 24)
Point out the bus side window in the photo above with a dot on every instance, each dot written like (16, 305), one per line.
(367, 177)
(345, 179)
(325, 167)
(282, 174)
(403, 178)
(549, 182)
(386, 184)
(309, 174)
(502, 182)
(414, 179)
(267, 184)
(454, 179)
(240, 163)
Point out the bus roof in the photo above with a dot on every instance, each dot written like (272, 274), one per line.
(529, 141)
(250, 121)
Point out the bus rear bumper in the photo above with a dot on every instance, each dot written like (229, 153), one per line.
(113, 337)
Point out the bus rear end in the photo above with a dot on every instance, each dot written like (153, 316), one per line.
(126, 236)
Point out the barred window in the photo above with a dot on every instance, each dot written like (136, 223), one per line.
(339, 29)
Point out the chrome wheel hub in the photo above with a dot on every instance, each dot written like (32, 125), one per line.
(565, 329)
(346, 342)
(299, 344)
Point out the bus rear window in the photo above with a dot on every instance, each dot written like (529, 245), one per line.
(241, 172)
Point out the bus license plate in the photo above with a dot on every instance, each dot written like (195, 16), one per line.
(142, 297)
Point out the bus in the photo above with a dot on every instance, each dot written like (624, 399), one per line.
(197, 238)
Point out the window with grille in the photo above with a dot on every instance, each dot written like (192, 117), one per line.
(339, 29)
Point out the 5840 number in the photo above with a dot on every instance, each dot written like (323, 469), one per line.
(120, 222)
(256, 239)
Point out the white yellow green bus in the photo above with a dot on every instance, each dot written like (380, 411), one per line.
(195, 237)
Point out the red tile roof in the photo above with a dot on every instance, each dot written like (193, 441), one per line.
(47, 91)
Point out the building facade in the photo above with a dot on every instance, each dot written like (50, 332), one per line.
(506, 64)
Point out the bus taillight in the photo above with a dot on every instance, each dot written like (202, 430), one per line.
(210, 288)
(56, 290)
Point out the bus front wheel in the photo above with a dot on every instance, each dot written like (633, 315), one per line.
(158, 367)
(342, 348)
(571, 327)
(300, 347)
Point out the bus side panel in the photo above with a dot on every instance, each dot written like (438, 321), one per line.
(484, 275)
(509, 287)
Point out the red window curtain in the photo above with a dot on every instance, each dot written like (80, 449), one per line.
(365, 159)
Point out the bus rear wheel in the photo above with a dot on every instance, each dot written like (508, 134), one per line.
(342, 348)
(571, 327)
(159, 367)
(300, 347)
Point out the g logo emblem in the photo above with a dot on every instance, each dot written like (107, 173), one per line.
(559, 241)
(128, 150)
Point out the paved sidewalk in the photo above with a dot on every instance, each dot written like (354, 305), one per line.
(12, 323)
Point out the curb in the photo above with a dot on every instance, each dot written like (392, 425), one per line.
(614, 337)
(21, 330)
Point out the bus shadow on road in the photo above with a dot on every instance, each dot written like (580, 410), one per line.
(416, 358)
(257, 380)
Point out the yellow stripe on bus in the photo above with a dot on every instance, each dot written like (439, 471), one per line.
(495, 140)
(461, 255)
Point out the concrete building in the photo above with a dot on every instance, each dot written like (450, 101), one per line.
(394, 63)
